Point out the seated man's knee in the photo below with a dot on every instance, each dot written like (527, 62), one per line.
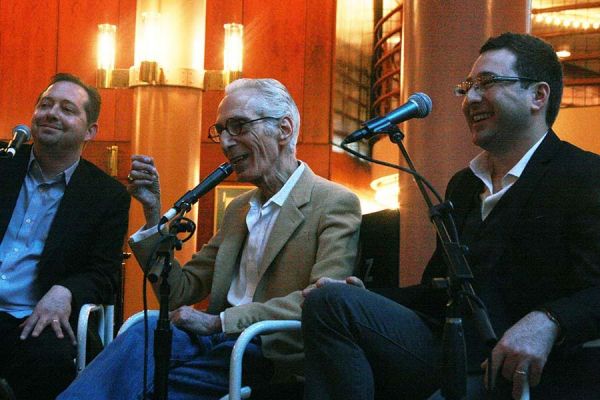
(48, 352)
(328, 300)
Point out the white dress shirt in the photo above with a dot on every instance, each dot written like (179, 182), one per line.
(480, 167)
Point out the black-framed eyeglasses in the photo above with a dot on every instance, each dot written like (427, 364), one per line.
(234, 126)
(486, 81)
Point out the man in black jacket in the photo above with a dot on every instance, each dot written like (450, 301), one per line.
(528, 208)
(62, 225)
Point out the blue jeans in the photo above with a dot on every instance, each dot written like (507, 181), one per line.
(199, 367)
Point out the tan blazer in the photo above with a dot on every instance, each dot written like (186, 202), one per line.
(315, 235)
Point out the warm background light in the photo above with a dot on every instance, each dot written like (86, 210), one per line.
(150, 41)
(386, 191)
(106, 46)
(234, 47)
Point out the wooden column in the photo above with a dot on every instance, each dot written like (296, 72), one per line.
(441, 39)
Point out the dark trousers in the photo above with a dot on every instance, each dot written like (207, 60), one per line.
(362, 346)
(35, 368)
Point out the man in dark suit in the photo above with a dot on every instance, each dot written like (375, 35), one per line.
(62, 225)
(528, 208)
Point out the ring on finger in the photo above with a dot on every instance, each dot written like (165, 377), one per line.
(520, 372)
(129, 178)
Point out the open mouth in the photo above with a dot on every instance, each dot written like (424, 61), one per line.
(235, 160)
(480, 117)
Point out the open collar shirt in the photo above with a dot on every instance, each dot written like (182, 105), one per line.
(480, 167)
(26, 234)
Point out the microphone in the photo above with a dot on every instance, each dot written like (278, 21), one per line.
(186, 201)
(417, 106)
(21, 134)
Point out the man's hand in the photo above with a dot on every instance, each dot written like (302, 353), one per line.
(324, 281)
(145, 187)
(523, 350)
(194, 321)
(53, 309)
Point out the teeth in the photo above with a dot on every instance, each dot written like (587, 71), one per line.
(480, 117)
(238, 158)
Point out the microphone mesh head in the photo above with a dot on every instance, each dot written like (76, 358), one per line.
(423, 103)
(24, 129)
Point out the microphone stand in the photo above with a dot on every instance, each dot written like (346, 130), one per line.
(163, 333)
(460, 293)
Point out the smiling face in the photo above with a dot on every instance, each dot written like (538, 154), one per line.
(255, 152)
(499, 115)
(59, 121)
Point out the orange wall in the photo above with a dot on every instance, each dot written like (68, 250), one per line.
(290, 41)
(292, 44)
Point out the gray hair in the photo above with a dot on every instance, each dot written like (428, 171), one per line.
(274, 100)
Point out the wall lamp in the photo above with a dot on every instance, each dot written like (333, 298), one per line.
(386, 191)
(171, 57)
(233, 50)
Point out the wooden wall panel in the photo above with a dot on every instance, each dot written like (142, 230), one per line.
(77, 44)
(77, 35)
(318, 59)
(274, 37)
(290, 41)
(27, 57)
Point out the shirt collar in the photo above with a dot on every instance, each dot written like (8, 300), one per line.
(33, 164)
(480, 166)
(281, 196)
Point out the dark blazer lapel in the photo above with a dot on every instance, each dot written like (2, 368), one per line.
(518, 195)
(290, 217)
(12, 175)
(469, 186)
(78, 195)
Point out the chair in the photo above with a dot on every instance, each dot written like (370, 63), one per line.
(108, 314)
(379, 247)
(377, 266)
(135, 318)
(236, 392)
(105, 329)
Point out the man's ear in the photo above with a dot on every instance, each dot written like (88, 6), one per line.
(286, 130)
(541, 95)
(91, 132)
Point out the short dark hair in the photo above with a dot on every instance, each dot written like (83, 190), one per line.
(92, 106)
(536, 59)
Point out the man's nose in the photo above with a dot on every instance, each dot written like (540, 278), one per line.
(226, 139)
(49, 113)
(473, 94)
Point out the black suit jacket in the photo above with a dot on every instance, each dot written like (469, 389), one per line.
(547, 242)
(84, 245)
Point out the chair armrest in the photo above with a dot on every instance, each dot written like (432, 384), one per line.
(82, 328)
(135, 318)
(592, 343)
(235, 364)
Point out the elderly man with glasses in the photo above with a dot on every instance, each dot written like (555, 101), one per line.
(275, 241)
(528, 209)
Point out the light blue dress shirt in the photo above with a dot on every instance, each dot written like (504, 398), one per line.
(26, 235)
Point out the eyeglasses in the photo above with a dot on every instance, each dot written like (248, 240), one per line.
(485, 81)
(234, 126)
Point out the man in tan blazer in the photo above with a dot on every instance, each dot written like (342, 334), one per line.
(275, 241)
